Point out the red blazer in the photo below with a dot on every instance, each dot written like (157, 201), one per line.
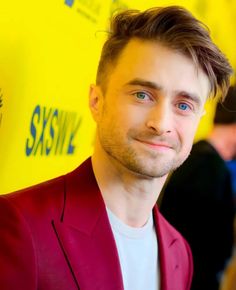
(56, 236)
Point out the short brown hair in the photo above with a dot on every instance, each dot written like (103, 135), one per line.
(175, 27)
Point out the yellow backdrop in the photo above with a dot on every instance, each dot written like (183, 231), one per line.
(48, 57)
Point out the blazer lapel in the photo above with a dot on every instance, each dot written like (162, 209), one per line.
(169, 254)
(85, 235)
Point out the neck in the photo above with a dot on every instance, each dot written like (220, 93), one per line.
(130, 196)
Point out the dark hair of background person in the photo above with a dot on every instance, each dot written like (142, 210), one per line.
(225, 112)
(174, 27)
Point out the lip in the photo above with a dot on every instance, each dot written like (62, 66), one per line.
(156, 145)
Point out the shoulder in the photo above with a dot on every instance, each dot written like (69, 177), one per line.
(203, 153)
(37, 200)
(47, 198)
(203, 163)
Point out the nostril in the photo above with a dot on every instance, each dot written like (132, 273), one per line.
(157, 127)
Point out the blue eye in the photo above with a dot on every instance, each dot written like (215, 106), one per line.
(141, 95)
(183, 106)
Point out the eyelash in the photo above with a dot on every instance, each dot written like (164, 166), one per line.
(147, 95)
(188, 107)
(184, 104)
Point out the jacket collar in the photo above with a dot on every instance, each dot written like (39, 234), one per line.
(87, 240)
(167, 249)
(85, 234)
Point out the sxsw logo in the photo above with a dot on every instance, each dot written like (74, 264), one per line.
(52, 132)
(69, 2)
(87, 9)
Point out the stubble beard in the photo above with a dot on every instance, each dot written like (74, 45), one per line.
(150, 164)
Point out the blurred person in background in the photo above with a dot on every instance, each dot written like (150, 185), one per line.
(229, 276)
(98, 227)
(198, 198)
(231, 164)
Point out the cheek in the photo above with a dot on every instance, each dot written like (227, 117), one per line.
(186, 146)
(127, 117)
(186, 134)
(114, 124)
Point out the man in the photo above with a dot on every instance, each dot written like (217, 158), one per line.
(98, 227)
(198, 198)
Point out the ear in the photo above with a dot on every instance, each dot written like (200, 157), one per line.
(95, 101)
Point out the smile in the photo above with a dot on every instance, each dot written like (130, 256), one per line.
(160, 146)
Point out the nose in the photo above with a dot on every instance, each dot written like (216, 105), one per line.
(159, 119)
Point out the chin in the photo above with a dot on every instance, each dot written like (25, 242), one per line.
(180, 161)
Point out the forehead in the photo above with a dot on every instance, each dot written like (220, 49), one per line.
(157, 63)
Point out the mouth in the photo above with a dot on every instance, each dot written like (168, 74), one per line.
(159, 146)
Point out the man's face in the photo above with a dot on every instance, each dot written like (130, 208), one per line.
(147, 118)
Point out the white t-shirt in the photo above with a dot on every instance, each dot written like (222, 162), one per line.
(138, 254)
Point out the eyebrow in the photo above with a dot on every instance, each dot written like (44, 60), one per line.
(143, 83)
(155, 86)
(192, 97)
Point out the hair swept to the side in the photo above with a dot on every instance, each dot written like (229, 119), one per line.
(175, 27)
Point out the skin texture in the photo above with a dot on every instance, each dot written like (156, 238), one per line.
(146, 121)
